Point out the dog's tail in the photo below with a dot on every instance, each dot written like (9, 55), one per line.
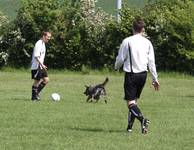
(105, 82)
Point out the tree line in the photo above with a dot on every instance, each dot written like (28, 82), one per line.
(87, 36)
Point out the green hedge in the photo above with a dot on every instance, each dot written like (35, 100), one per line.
(87, 37)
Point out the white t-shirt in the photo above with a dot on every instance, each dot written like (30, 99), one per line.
(142, 54)
(39, 51)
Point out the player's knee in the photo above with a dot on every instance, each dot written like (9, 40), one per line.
(46, 81)
(130, 103)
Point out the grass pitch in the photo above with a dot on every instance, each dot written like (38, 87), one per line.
(73, 124)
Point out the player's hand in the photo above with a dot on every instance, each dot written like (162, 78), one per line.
(156, 85)
(44, 67)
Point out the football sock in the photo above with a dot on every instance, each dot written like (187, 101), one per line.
(136, 112)
(131, 119)
(34, 92)
(41, 86)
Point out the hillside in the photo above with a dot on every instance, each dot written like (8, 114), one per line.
(110, 5)
(9, 7)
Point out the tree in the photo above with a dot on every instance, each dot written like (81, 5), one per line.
(3, 54)
(171, 29)
(32, 18)
(76, 27)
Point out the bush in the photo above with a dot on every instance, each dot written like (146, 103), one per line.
(169, 25)
(20, 36)
(3, 59)
(85, 36)
(171, 29)
(77, 32)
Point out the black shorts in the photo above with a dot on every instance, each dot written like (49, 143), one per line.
(133, 85)
(39, 74)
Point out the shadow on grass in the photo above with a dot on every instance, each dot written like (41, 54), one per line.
(22, 99)
(95, 130)
(189, 96)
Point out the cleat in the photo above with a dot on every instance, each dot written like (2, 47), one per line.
(129, 129)
(35, 98)
(144, 126)
(38, 97)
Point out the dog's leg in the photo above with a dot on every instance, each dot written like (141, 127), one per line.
(96, 100)
(104, 95)
(105, 98)
(93, 99)
(89, 97)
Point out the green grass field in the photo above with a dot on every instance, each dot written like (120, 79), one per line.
(73, 124)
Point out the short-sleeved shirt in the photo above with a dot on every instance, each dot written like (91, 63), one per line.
(39, 51)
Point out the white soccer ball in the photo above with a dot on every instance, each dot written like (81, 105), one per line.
(55, 97)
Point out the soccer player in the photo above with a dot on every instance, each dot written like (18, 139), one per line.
(38, 68)
(136, 54)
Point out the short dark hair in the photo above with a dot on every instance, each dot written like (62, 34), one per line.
(138, 25)
(44, 33)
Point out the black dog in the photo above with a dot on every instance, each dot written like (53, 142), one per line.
(94, 92)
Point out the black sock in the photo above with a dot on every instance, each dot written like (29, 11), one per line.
(34, 92)
(41, 86)
(131, 119)
(136, 112)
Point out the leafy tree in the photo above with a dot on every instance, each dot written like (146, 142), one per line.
(170, 27)
(3, 54)
(32, 18)
(86, 36)
(3, 21)
(76, 29)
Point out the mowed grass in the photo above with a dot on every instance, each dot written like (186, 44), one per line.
(73, 124)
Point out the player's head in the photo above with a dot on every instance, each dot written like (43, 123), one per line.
(46, 36)
(138, 25)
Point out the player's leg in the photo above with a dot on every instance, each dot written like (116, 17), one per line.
(36, 77)
(35, 90)
(134, 84)
(140, 82)
(134, 109)
(131, 119)
(44, 80)
(130, 97)
(42, 84)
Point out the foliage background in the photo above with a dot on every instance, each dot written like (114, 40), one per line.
(84, 36)
(10, 7)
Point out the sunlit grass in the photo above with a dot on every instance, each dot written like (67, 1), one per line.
(73, 124)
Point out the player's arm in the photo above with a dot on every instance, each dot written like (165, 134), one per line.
(152, 68)
(41, 64)
(122, 54)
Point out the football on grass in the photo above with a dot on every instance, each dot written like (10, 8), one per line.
(55, 97)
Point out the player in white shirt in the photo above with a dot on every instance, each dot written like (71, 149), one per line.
(38, 69)
(136, 54)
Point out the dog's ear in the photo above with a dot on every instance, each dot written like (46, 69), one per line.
(86, 86)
